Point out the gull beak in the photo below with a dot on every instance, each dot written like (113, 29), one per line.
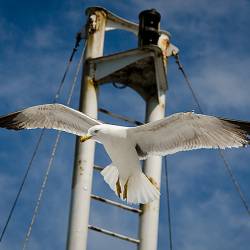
(85, 138)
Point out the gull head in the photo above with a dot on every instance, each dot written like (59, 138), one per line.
(103, 131)
(94, 133)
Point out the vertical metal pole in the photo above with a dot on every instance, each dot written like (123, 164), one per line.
(155, 110)
(149, 219)
(84, 154)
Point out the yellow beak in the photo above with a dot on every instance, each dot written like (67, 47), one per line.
(85, 138)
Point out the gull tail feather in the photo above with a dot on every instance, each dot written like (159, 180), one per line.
(141, 190)
(110, 175)
(137, 189)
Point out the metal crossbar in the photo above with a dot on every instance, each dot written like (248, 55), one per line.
(116, 204)
(116, 235)
(120, 117)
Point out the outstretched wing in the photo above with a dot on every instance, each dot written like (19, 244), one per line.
(51, 116)
(187, 131)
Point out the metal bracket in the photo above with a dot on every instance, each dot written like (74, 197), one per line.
(141, 69)
(114, 22)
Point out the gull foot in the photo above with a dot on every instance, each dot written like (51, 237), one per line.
(85, 138)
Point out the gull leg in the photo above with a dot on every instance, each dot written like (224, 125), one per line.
(125, 192)
(118, 188)
(151, 179)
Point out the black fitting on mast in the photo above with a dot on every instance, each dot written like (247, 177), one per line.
(149, 25)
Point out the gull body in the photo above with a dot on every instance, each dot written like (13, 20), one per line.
(125, 170)
(115, 141)
(126, 146)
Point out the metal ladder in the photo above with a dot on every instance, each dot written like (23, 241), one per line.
(150, 58)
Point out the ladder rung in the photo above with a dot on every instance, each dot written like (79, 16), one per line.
(98, 168)
(117, 204)
(110, 233)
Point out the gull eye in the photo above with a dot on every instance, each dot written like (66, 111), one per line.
(96, 131)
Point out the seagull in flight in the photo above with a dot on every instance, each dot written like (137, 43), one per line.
(126, 146)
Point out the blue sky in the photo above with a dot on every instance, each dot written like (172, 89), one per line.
(36, 38)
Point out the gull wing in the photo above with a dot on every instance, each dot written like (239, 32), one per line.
(187, 131)
(51, 116)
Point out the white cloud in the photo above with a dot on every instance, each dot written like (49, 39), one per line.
(5, 31)
(197, 229)
(45, 37)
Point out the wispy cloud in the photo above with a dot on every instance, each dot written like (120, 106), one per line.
(47, 37)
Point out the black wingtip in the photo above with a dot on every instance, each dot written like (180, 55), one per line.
(242, 125)
(10, 121)
(243, 128)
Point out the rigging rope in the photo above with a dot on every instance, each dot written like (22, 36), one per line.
(168, 206)
(41, 192)
(35, 213)
(56, 97)
(221, 154)
(77, 43)
(22, 184)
